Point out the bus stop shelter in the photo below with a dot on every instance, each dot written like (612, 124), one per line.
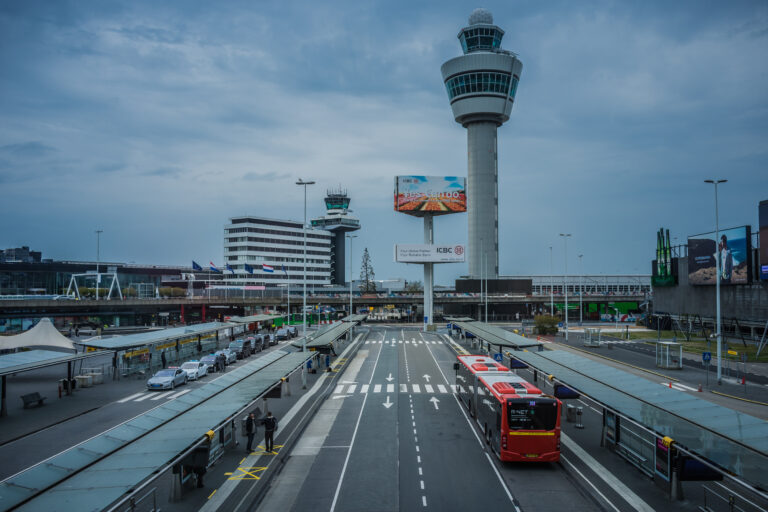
(495, 336)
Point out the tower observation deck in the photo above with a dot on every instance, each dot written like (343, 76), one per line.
(338, 221)
(481, 86)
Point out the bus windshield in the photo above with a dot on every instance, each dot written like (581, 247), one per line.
(535, 414)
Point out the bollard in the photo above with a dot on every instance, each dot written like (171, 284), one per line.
(570, 413)
(579, 411)
(699, 388)
(670, 384)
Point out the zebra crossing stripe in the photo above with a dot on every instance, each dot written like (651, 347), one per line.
(339, 388)
(367, 341)
(144, 397)
(128, 398)
(403, 388)
(161, 395)
(377, 388)
(352, 388)
(400, 341)
(416, 388)
(428, 388)
(441, 388)
(407, 342)
(177, 395)
(453, 388)
(364, 388)
(390, 388)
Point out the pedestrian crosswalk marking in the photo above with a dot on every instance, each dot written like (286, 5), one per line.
(428, 388)
(377, 388)
(128, 398)
(364, 388)
(348, 389)
(390, 388)
(352, 388)
(403, 388)
(441, 388)
(416, 388)
(161, 395)
(339, 388)
(153, 395)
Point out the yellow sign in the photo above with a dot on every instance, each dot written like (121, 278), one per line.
(733, 353)
(135, 353)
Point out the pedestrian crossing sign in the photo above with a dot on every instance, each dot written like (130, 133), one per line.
(498, 357)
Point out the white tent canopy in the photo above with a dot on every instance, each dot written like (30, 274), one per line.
(44, 334)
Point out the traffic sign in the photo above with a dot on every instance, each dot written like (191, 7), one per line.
(498, 357)
(706, 356)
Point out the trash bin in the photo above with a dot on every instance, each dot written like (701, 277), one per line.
(570, 413)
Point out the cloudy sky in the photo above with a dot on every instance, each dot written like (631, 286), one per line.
(156, 121)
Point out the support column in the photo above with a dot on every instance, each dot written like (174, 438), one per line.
(482, 199)
(182, 314)
(428, 275)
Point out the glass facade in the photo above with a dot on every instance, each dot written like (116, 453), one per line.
(480, 39)
(481, 82)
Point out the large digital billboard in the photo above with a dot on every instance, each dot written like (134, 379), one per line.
(435, 195)
(734, 249)
(763, 234)
(426, 253)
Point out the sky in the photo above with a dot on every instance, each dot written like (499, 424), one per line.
(157, 121)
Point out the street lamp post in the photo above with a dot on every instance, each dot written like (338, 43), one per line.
(350, 237)
(304, 228)
(551, 286)
(565, 281)
(98, 246)
(581, 290)
(717, 282)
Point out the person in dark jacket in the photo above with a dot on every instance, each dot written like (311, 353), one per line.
(250, 431)
(270, 427)
(163, 359)
(222, 362)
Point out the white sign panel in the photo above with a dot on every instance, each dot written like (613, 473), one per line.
(425, 253)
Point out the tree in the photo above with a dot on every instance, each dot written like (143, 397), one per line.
(413, 287)
(367, 275)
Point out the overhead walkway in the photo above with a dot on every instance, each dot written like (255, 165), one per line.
(736, 442)
(105, 469)
(493, 335)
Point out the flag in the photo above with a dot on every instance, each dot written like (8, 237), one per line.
(230, 268)
(213, 267)
(267, 268)
(284, 271)
(248, 268)
(195, 266)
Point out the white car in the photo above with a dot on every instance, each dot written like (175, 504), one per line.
(195, 369)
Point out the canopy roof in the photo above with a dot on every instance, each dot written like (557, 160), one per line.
(44, 334)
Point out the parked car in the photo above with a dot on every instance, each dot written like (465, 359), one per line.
(293, 331)
(259, 342)
(270, 339)
(168, 378)
(195, 369)
(282, 334)
(248, 341)
(212, 362)
(230, 356)
(238, 347)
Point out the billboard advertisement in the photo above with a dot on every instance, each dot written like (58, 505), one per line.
(763, 236)
(429, 253)
(733, 248)
(435, 195)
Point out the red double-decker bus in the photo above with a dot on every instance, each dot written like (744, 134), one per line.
(519, 422)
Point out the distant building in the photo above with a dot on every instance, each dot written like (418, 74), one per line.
(274, 249)
(20, 255)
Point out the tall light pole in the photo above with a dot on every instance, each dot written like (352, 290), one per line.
(565, 281)
(581, 290)
(551, 285)
(717, 282)
(350, 237)
(304, 226)
(98, 247)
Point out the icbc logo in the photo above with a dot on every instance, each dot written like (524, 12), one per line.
(459, 250)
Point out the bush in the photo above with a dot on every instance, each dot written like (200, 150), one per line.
(545, 324)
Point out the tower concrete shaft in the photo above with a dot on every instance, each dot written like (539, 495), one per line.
(481, 86)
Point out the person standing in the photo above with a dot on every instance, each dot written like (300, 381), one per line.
(250, 431)
(270, 427)
(162, 358)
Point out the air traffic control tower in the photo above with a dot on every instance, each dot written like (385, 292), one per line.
(338, 221)
(481, 87)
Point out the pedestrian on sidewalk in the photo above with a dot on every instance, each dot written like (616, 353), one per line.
(250, 431)
(270, 427)
(162, 358)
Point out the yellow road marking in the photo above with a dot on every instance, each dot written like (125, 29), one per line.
(241, 462)
(739, 398)
(211, 495)
(246, 473)
(262, 450)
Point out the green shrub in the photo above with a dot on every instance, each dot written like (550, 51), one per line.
(545, 324)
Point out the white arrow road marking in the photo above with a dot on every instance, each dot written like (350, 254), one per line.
(388, 404)
(435, 401)
(340, 396)
(427, 377)
(390, 378)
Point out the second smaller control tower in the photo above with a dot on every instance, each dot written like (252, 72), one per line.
(337, 220)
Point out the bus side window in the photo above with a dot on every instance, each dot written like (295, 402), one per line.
(498, 418)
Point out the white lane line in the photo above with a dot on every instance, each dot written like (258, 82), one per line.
(424, 501)
(352, 388)
(403, 388)
(144, 397)
(614, 483)
(428, 388)
(339, 389)
(416, 388)
(441, 388)
(364, 388)
(564, 459)
(587, 405)
(354, 437)
(420, 473)
(390, 388)
(161, 395)
(422, 484)
(377, 388)
(129, 398)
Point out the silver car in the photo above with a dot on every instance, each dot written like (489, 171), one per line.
(229, 354)
(195, 369)
(167, 379)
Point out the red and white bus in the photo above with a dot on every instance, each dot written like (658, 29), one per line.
(519, 422)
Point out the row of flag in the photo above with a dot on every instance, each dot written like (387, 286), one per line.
(264, 268)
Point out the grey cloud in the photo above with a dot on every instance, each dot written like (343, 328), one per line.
(31, 149)
(264, 176)
(168, 172)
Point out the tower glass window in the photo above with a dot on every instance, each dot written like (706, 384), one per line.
(489, 82)
(477, 39)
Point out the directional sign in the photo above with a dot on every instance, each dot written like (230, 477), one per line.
(435, 401)
(426, 377)
(706, 356)
(498, 357)
(390, 378)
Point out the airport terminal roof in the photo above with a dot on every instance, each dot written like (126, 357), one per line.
(253, 318)
(495, 335)
(34, 359)
(143, 339)
(733, 440)
(100, 471)
(327, 336)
